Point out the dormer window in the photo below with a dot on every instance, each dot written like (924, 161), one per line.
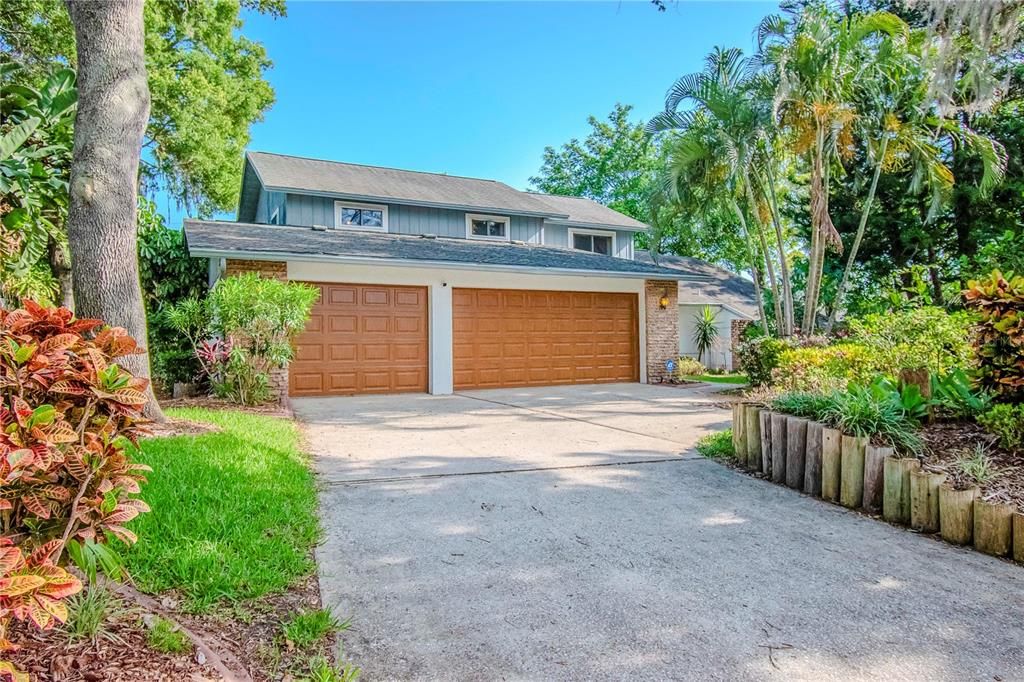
(348, 215)
(595, 241)
(487, 227)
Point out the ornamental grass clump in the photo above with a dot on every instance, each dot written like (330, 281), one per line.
(804, 404)
(69, 415)
(881, 412)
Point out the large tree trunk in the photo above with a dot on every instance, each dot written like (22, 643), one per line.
(787, 284)
(113, 109)
(772, 282)
(754, 274)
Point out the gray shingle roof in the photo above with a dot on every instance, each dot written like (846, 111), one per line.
(227, 239)
(583, 211)
(353, 181)
(718, 287)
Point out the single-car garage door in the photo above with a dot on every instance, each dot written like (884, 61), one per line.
(506, 337)
(362, 339)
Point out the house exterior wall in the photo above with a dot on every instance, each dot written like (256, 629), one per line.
(557, 234)
(662, 327)
(720, 354)
(267, 204)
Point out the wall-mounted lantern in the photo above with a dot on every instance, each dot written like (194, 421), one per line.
(663, 301)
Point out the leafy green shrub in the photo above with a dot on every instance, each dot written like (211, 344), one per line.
(917, 338)
(954, 395)
(999, 333)
(824, 368)
(256, 318)
(716, 445)
(759, 356)
(804, 404)
(688, 367)
(1006, 422)
(880, 412)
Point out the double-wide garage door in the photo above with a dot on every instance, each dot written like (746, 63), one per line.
(373, 339)
(540, 338)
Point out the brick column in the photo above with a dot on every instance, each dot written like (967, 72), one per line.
(736, 338)
(271, 269)
(662, 327)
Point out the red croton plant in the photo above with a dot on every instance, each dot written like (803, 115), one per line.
(67, 414)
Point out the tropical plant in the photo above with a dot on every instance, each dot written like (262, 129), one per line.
(816, 57)
(999, 333)
(976, 465)
(35, 157)
(953, 393)
(68, 418)
(731, 123)
(705, 331)
(1005, 422)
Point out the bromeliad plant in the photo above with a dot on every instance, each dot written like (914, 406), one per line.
(68, 416)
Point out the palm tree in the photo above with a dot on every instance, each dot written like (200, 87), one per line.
(697, 171)
(726, 103)
(705, 331)
(816, 58)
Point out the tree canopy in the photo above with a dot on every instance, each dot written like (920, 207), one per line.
(206, 84)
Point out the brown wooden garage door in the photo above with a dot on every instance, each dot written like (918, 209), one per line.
(362, 339)
(506, 337)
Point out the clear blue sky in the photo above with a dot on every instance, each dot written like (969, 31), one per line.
(473, 88)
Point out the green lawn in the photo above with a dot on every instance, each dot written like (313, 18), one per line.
(234, 511)
(719, 378)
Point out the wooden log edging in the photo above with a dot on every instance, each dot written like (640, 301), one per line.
(993, 527)
(896, 493)
(812, 462)
(851, 482)
(738, 440)
(924, 500)
(766, 441)
(1018, 537)
(752, 437)
(956, 514)
(796, 451)
(874, 476)
(779, 426)
(831, 464)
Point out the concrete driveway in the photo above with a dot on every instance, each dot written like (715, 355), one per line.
(571, 533)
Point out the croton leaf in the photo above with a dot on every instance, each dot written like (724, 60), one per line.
(15, 585)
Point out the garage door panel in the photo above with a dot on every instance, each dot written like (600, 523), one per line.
(362, 339)
(537, 338)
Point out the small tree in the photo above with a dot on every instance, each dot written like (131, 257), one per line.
(705, 331)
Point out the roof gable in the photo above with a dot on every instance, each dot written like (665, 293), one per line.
(589, 213)
(718, 285)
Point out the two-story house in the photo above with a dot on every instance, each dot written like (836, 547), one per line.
(439, 283)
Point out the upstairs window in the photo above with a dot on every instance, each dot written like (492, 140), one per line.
(361, 216)
(487, 227)
(593, 241)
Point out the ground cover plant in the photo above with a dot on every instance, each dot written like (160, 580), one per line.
(715, 445)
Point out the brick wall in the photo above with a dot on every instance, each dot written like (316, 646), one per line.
(266, 268)
(662, 327)
(275, 270)
(736, 334)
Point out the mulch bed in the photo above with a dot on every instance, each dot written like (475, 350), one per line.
(945, 442)
(249, 633)
(209, 402)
